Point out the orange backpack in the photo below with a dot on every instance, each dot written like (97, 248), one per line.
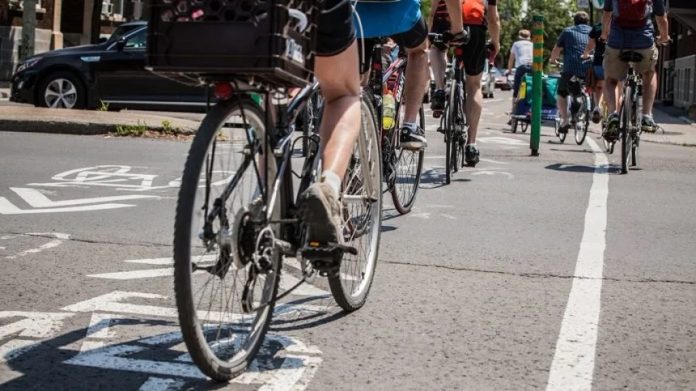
(474, 12)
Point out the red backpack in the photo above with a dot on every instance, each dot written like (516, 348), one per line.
(632, 14)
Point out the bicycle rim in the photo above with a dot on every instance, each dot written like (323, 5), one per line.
(581, 125)
(362, 202)
(409, 165)
(221, 334)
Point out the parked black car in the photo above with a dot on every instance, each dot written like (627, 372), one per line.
(111, 73)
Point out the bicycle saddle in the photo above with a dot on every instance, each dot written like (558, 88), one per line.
(631, 56)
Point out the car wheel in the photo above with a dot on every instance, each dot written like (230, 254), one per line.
(62, 90)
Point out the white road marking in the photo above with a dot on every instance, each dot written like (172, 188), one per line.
(7, 208)
(135, 274)
(501, 140)
(573, 362)
(36, 199)
(53, 243)
(152, 261)
(491, 173)
(161, 384)
(493, 161)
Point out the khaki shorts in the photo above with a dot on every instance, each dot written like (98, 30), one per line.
(614, 68)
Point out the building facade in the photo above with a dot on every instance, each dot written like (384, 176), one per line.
(677, 68)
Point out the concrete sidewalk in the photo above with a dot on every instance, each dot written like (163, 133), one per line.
(25, 118)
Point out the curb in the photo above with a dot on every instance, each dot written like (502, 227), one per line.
(76, 128)
(666, 142)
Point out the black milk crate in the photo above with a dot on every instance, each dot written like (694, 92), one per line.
(219, 39)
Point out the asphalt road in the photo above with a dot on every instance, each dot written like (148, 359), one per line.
(525, 273)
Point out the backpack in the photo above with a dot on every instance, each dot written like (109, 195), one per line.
(474, 12)
(632, 14)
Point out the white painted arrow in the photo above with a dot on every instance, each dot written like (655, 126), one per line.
(36, 199)
(8, 208)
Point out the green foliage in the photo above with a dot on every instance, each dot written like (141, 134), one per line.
(103, 106)
(558, 14)
(131, 130)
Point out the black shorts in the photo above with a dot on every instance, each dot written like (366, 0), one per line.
(520, 72)
(566, 87)
(440, 26)
(413, 37)
(475, 50)
(335, 32)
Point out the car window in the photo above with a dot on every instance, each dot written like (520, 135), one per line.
(137, 41)
(121, 31)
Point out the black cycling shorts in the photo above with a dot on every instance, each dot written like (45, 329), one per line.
(475, 50)
(440, 26)
(335, 32)
(414, 37)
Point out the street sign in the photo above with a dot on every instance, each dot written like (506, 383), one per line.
(583, 3)
(598, 4)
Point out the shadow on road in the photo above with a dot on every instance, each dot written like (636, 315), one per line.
(78, 361)
(571, 150)
(571, 168)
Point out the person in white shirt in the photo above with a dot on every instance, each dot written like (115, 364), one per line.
(521, 56)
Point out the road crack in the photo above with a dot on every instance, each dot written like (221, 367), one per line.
(91, 241)
(539, 275)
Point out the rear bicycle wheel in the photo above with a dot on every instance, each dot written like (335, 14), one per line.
(362, 205)
(224, 300)
(626, 136)
(582, 122)
(408, 167)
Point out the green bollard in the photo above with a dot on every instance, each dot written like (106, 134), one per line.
(537, 87)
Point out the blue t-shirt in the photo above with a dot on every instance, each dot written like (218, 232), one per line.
(573, 41)
(638, 38)
(384, 19)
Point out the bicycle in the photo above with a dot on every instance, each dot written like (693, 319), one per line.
(453, 123)
(579, 109)
(237, 217)
(401, 167)
(630, 112)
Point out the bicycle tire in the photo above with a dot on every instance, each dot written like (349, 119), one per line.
(582, 123)
(216, 129)
(448, 146)
(405, 196)
(513, 125)
(625, 120)
(342, 285)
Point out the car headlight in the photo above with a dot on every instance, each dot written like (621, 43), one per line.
(28, 64)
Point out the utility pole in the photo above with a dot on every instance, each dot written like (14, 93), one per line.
(28, 29)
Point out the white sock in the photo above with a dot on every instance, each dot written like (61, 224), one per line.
(410, 125)
(649, 116)
(333, 180)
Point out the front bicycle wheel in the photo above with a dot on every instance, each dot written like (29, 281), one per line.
(362, 205)
(408, 167)
(225, 266)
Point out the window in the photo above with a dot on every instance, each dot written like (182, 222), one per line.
(112, 10)
(137, 41)
(19, 5)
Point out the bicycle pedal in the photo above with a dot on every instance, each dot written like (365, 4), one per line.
(437, 113)
(440, 130)
(326, 258)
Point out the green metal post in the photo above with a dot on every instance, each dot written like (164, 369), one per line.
(537, 68)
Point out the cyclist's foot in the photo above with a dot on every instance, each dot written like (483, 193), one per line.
(596, 115)
(471, 155)
(647, 124)
(413, 137)
(563, 127)
(321, 213)
(437, 102)
(611, 132)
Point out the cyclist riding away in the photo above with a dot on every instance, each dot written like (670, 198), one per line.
(478, 16)
(595, 79)
(628, 27)
(521, 56)
(572, 42)
(336, 68)
(403, 22)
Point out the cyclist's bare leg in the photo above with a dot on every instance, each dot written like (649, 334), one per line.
(562, 104)
(610, 86)
(416, 80)
(598, 93)
(438, 63)
(474, 104)
(649, 89)
(340, 85)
